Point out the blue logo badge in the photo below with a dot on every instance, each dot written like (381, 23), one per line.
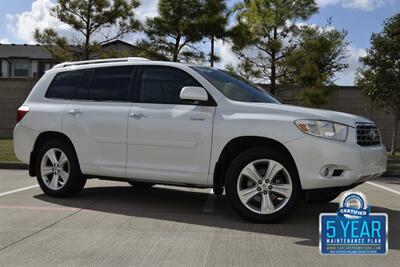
(353, 229)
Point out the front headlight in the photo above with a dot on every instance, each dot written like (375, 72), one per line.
(325, 129)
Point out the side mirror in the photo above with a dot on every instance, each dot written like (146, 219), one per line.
(193, 93)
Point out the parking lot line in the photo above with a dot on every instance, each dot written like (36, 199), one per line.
(384, 187)
(18, 190)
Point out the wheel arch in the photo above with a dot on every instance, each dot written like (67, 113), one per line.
(42, 139)
(237, 145)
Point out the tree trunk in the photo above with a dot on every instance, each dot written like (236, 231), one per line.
(176, 49)
(273, 65)
(273, 73)
(395, 135)
(212, 51)
(87, 32)
(87, 49)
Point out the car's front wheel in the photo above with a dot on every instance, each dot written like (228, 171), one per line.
(262, 185)
(59, 174)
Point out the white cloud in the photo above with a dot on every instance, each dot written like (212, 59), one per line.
(39, 17)
(4, 41)
(23, 25)
(147, 9)
(224, 51)
(347, 76)
(367, 5)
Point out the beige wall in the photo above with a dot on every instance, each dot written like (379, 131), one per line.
(12, 94)
(350, 99)
(346, 99)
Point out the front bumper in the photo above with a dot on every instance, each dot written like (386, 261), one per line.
(359, 164)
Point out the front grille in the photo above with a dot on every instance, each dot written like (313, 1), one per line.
(367, 134)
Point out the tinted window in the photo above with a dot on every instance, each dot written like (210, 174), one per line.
(82, 90)
(110, 84)
(163, 85)
(64, 84)
(235, 87)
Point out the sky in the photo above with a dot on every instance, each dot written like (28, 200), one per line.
(19, 19)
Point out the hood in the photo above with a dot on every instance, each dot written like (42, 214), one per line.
(297, 113)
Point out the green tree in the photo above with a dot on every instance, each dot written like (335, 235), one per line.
(245, 69)
(173, 32)
(312, 65)
(95, 22)
(214, 20)
(264, 32)
(380, 77)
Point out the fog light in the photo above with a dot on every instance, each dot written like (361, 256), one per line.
(327, 171)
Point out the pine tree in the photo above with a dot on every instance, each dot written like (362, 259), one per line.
(94, 22)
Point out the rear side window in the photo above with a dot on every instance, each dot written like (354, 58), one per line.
(110, 84)
(162, 85)
(64, 84)
(82, 89)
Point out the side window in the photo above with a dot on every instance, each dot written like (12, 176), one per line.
(162, 85)
(63, 85)
(82, 89)
(110, 84)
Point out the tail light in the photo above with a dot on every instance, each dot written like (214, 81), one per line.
(21, 112)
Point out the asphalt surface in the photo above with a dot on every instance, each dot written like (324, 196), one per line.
(115, 224)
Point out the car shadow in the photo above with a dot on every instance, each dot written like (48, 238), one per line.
(180, 205)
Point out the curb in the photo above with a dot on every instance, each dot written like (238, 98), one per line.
(14, 166)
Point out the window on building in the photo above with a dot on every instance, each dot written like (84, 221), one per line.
(21, 69)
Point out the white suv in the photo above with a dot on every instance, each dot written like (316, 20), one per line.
(147, 122)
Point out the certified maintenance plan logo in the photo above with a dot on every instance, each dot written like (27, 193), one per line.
(353, 229)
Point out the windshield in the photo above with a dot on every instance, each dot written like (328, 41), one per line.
(235, 87)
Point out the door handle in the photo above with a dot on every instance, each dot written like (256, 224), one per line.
(137, 115)
(74, 112)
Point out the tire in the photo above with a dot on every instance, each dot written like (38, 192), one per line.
(218, 191)
(68, 170)
(258, 208)
(141, 184)
(323, 196)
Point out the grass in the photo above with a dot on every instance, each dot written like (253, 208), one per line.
(396, 156)
(7, 151)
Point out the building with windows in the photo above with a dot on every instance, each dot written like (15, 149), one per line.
(31, 61)
(24, 61)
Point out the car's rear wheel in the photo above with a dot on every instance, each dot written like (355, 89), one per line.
(141, 184)
(59, 174)
(262, 185)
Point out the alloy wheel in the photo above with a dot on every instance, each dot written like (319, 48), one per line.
(55, 169)
(264, 186)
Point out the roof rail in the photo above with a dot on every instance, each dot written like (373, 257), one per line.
(96, 61)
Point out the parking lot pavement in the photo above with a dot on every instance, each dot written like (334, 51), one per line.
(112, 223)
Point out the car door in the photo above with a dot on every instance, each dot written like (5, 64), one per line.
(169, 139)
(96, 120)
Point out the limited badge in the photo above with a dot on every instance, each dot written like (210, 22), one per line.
(353, 229)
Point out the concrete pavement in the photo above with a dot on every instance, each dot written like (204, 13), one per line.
(113, 223)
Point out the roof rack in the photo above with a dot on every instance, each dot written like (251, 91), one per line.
(96, 61)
